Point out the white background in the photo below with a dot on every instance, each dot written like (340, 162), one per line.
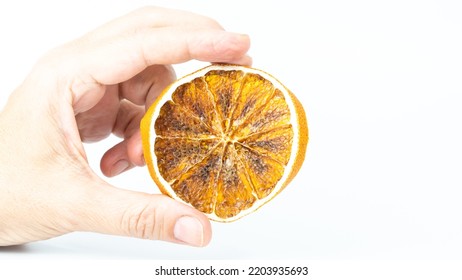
(381, 82)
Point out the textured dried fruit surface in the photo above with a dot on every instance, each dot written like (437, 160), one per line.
(222, 141)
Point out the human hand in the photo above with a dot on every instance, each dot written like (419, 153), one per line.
(84, 91)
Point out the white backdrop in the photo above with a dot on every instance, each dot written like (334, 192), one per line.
(381, 84)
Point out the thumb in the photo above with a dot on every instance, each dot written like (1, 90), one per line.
(110, 210)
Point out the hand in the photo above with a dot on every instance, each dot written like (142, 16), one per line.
(82, 92)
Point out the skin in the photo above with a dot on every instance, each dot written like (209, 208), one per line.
(83, 91)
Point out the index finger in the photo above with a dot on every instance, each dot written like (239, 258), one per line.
(122, 58)
(128, 51)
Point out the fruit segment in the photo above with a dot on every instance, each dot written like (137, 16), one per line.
(173, 121)
(198, 185)
(234, 190)
(255, 93)
(275, 113)
(195, 98)
(224, 87)
(175, 157)
(276, 143)
(264, 172)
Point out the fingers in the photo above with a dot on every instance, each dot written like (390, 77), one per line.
(129, 152)
(144, 88)
(122, 117)
(123, 156)
(120, 212)
(97, 122)
(112, 113)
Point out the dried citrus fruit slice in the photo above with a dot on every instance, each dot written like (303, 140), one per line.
(225, 139)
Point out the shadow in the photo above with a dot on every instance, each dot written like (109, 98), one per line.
(14, 249)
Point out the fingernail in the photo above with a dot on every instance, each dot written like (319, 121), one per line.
(119, 167)
(189, 230)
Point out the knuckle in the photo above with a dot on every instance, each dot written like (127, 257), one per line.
(144, 222)
(170, 72)
(165, 75)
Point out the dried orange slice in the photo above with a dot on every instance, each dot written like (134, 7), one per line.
(225, 139)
